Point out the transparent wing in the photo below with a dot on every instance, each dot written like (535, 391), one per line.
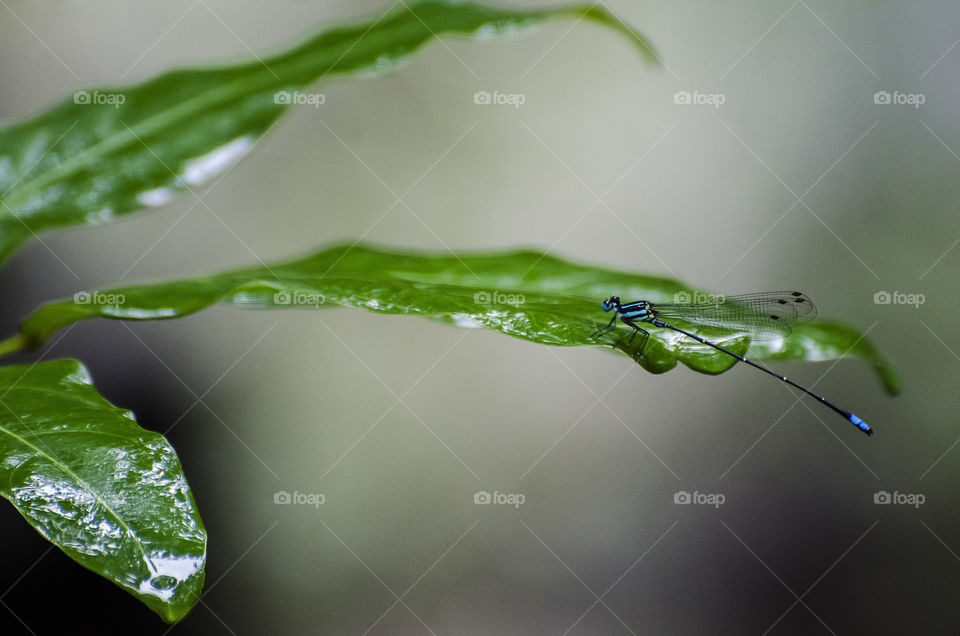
(764, 315)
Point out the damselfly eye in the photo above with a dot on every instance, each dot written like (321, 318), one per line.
(606, 305)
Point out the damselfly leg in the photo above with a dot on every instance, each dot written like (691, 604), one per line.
(635, 328)
(626, 341)
(603, 330)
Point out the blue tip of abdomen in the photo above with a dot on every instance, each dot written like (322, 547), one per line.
(863, 426)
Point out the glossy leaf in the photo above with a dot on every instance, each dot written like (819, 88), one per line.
(524, 294)
(103, 153)
(108, 493)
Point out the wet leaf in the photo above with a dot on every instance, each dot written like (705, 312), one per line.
(524, 294)
(107, 152)
(108, 493)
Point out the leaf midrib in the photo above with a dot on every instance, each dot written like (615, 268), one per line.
(84, 484)
(182, 111)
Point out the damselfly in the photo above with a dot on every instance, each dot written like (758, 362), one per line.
(759, 315)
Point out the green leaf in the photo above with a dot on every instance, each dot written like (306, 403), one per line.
(103, 153)
(531, 295)
(109, 494)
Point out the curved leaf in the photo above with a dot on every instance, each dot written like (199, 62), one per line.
(524, 294)
(108, 152)
(108, 493)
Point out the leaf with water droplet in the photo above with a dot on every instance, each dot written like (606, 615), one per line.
(525, 294)
(107, 152)
(108, 493)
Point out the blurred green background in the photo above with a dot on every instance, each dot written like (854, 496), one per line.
(799, 180)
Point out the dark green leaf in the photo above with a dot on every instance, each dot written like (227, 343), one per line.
(108, 493)
(532, 296)
(108, 152)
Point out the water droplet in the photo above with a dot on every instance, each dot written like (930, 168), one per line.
(163, 582)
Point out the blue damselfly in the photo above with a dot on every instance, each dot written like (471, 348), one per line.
(761, 316)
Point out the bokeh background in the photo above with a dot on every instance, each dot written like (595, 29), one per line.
(799, 180)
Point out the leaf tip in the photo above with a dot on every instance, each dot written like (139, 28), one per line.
(605, 17)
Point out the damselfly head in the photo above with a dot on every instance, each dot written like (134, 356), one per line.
(611, 303)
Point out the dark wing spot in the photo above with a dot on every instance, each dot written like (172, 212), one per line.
(782, 301)
(800, 300)
(796, 294)
(772, 317)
